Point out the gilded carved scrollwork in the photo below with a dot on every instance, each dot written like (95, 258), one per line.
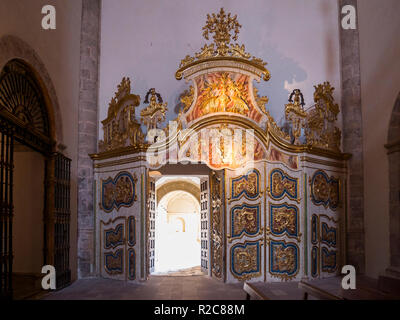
(318, 122)
(284, 259)
(245, 219)
(118, 192)
(320, 127)
(276, 130)
(217, 224)
(324, 240)
(224, 28)
(246, 260)
(247, 185)
(328, 235)
(284, 220)
(187, 98)
(328, 260)
(121, 128)
(114, 262)
(114, 237)
(324, 190)
(281, 185)
(261, 101)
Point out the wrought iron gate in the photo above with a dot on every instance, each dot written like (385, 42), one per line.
(24, 118)
(62, 215)
(6, 207)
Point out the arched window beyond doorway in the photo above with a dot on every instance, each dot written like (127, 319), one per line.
(393, 147)
(34, 189)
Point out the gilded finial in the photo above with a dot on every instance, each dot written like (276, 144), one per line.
(222, 25)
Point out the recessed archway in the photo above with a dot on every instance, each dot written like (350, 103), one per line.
(177, 240)
(13, 48)
(393, 147)
(34, 176)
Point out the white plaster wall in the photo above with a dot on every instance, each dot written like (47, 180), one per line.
(379, 26)
(59, 50)
(146, 41)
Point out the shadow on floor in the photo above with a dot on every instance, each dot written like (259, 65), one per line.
(156, 288)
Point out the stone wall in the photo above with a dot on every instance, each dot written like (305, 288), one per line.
(87, 140)
(393, 147)
(353, 140)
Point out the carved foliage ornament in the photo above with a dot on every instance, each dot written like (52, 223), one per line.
(245, 260)
(328, 235)
(114, 237)
(284, 220)
(246, 185)
(118, 192)
(328, 260)
(245, 219)
(113, 263)
(323, 235)
(284, 259)
(281, 185)
(224, 28)
(187, 98)
(318, 122)
(217, 224)
(324, 190)
(320, 127)
(121, 128)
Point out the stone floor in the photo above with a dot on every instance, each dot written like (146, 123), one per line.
(26, 286)
(156, 288)
(195, 271)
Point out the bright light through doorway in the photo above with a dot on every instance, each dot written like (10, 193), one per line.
(177, 235)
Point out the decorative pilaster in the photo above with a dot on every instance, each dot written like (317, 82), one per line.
(353, 140)
(87, 131)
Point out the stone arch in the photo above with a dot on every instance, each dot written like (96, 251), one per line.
(12, 48)
(168, 187)
(393, 147)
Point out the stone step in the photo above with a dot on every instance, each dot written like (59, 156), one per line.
(389, 284)
(393, 272)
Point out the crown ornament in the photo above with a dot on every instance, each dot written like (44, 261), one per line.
(224, 29)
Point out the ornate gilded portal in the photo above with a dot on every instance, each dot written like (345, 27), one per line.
(274, 199)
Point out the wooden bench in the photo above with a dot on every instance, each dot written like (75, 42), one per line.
(323, 289)
(273, 291)
(331, 289)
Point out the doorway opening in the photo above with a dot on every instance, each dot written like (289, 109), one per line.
(178, 226)
(28, 225)
(34, 187)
